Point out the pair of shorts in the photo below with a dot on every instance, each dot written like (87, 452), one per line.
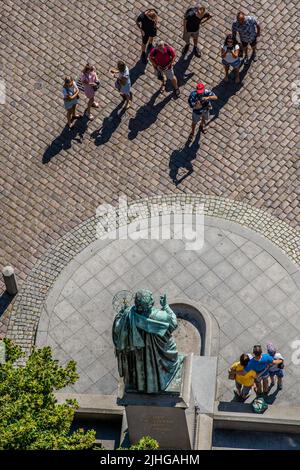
(188, 35)
(146, 37)
(235, 65)
(168, 73)
(278, 373)
(197, 117)
(265, 375)
(252, 44)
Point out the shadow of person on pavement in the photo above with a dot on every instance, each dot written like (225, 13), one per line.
(65, 139)
(183, 159)
(136, 71)
(225, 90)
(5, 300)
(147, 114)
(109, 125)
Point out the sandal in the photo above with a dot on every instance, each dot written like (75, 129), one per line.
(177, 92)
(202, 129)
(163, 88)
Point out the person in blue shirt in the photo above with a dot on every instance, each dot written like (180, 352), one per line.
(260, 363)
(199, 101)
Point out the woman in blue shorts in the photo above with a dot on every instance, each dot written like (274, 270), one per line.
(230, 57)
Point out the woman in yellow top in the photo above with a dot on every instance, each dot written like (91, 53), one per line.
(243, 383)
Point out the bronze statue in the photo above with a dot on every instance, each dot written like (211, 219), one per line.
(147, 355)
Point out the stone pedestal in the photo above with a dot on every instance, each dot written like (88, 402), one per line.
(167, 417)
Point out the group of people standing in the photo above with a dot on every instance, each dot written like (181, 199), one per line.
(162, 56)
(257, 370)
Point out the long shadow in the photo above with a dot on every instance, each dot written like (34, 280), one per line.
(148, 113)
(109, 125)
(136, 71)
(225, 90)
(5, 301)
(65, 139)
(271, 397)
(183, 159)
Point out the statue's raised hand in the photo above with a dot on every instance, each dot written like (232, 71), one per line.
(163, 301)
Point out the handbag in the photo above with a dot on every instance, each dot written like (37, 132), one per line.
(96, 85)
(231, 374)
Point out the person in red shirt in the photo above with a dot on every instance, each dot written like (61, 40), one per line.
(163, 58)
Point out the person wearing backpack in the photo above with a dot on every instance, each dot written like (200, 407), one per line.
(199, 101)
(147, 23)
(193, 18)
(162, 57)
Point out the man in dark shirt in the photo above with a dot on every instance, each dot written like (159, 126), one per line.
(147, 23)
(193, 18)
(199, 101)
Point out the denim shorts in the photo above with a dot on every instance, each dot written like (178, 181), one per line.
(235, 65)
(278, 372)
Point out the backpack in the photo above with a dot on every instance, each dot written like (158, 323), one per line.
(259, 405)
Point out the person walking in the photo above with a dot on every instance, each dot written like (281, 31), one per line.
(199, 101)
(230, 57)
(249, 31)
(71, 99)
(123, 83)
(243, 383)
(276, 370)
(192, 21)
(162, 57)
(90, 82)
(147, 23)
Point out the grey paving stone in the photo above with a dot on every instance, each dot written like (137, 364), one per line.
(235, 281)
(222, 292)
(109, 360)
(133, 277)
(262, 283)
(273, 319)
(231, 352)
(232, 328)
(251, 249)
(237, 259)
(44, 322)
(259, 330)
(78, 298)
(223, 270)
(81, 275)
(248, 294)
(275, 295)
(288, 286)
(247, 317)
(171, 267)
(245, 341)
(161, 256)
(100, 322)
(72, 345)
(75, 322)
(96, 371)
(107, 385)
(213, 235)
(41, 339)
(147, 246)
(210, 302)
(276, 272)
(222, 315)
(108, 254)
(61, 356)
(134, 255)
(236, 239)
(107, 276)
(69, 288)
(63, 309)
(92, 287)
(223, 365)
(173, 246)
(195, 291)
(225, 247)
(53, 321)
(117, 285)
(172, 290)
(60, 333)
(211, 258)
(234, 305)
(146, 267)
(250, 271)
(184, 279)
(264, 260)
(223, 341)
(197, 268)
(95, 264)
(83, 383)
(260, 306)
(186, 257)
(83, 358)
(101, 345)
(120, 265)
(210, 280)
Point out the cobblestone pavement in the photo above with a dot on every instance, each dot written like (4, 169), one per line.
(249, 288)
(51, 180)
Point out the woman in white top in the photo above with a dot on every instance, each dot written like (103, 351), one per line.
(230, 57)
(123, 83)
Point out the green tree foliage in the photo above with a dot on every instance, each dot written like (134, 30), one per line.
(30, 417)
(145, 443)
